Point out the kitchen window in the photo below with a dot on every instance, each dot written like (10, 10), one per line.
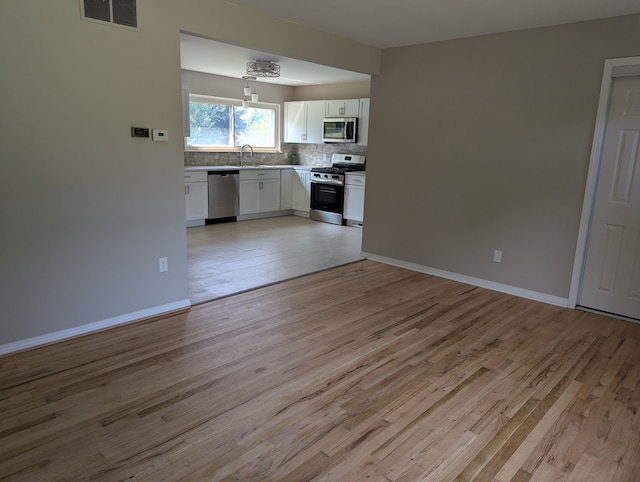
(218, 124)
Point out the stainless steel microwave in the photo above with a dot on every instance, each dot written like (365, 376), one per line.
(339, 129)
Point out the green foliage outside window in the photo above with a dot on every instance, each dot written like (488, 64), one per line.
(219, 124)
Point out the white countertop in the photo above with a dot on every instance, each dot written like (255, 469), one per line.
(225, 168)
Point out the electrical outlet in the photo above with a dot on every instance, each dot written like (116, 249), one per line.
(497, 256)
(163, 265)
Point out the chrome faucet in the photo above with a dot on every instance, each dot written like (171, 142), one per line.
(242, 153)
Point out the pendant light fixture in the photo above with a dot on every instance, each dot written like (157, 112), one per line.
(247, 91)
(258, 68)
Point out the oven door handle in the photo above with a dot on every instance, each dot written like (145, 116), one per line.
(328, 183)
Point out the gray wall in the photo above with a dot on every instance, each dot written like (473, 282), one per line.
(350, 90)
(474, 145)
(219, 86)
(86, 210)
(483, 143)
(216, 85)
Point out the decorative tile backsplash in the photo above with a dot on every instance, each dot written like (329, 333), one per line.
(320, 154)
(195, 158)
(307, 155)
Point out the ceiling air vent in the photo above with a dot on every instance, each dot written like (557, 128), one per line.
(117, 12)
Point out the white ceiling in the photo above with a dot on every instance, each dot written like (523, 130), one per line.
(389, 23)
(392, 23)
(203, 55)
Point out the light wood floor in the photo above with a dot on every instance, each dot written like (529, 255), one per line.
(361, 372)
(234, 257)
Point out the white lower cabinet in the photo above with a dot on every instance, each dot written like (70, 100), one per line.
(196, 202)
(286, 189)
(302, 190)
(259, 190)
(354, 197)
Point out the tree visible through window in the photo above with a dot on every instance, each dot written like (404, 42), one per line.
(220, 123)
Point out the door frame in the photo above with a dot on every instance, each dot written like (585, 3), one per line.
(620, 67)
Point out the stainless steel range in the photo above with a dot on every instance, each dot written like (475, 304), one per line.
(327, 187)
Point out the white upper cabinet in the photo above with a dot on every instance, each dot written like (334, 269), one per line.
(315, 114)
(342, 108)
(295, 121)
(303, 121)
(363, 122)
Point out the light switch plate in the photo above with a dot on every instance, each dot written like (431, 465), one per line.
(160, 135)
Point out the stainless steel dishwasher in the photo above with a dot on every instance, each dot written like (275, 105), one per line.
(224, 199)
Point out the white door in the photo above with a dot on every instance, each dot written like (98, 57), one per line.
(611, 275)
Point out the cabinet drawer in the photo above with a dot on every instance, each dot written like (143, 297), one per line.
(355, 179)
(195, 176)
(259, 174)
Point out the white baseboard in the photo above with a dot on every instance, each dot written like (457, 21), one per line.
(482, 283)
(268, 214)
(91, 327)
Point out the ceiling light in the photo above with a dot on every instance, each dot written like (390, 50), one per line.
(263, 68)
(247, 89)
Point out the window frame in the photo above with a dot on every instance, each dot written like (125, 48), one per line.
(276, 108)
